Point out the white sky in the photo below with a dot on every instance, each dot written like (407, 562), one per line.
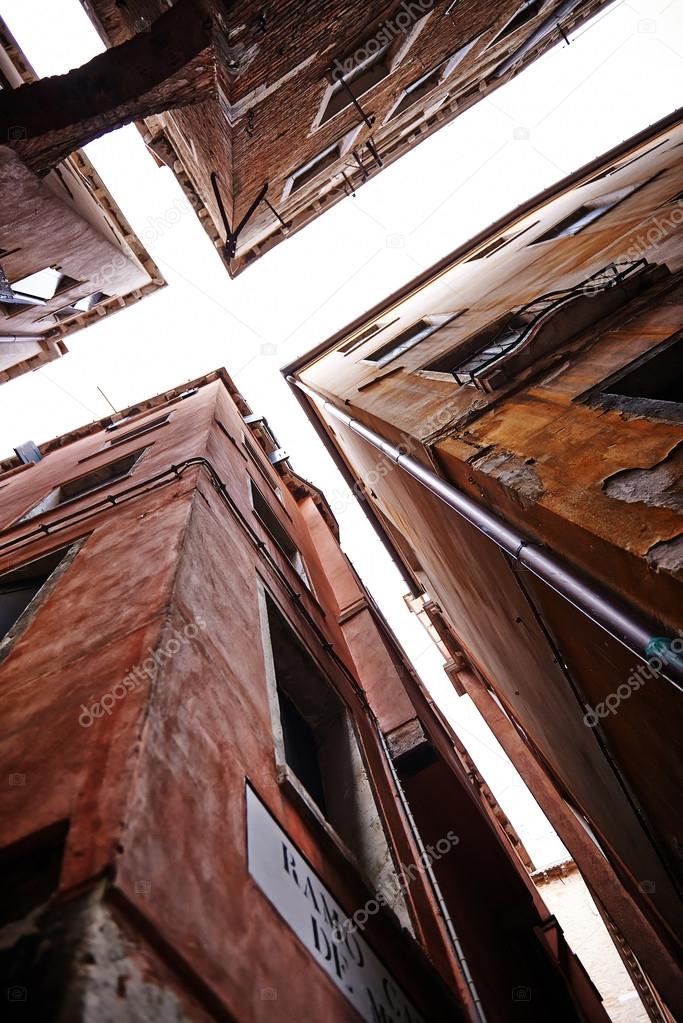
(620, 73)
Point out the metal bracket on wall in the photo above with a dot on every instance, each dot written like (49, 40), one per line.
(230, 247)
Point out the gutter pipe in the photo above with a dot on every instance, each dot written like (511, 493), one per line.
(622, 622)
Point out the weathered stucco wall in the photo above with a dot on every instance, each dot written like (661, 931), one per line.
(594, 477)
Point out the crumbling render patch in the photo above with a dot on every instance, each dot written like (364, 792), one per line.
(660, 486)
(512, 471)
(667, 555)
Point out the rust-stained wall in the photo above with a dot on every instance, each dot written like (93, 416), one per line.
(597, 480)
(155, 911)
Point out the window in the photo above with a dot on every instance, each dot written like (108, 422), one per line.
(319, 163)
(588, 212)
(408, 338)
(522, 341)
(265, 473)
(317, 752)
(499, 243)
(40, 287)
(429, 81)
(85, 484)
(479, 349)
(365, 335)
(20, 585)
(30, 871)
(360, 78)
(652, 385)
(415, 92)
(615, 168)
(271, 522)
(138, 431)
(526, 13)
(83, 305)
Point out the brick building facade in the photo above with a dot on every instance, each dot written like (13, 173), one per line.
(269, 115)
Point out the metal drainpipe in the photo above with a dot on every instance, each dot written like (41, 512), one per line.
(426, 864)
(13, 339)
(620, 621)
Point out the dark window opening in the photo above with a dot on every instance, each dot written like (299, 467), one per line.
(138, 431)
(588, 212)
(615, 168)
(30, 871)
(86, 484)
(319, 750)
(657, 377)
(362, 77)
(417, 91)
(316, 166)
(301, 748)
(499, 243)
(269, 519)
(408, 338)
(498, 337)
(19, 586)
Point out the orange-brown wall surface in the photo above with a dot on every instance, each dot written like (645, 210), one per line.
(154, 897)
(596, 482)
(154, 791)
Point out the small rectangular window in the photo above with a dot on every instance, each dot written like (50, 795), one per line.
(314, 167)
(588, 212)
(358, 339)
(270, 520)
(653, 384)
(138, 431)
(410, 337)
(85, 484)
(38, 288)
(20, 585)
(359, 78)
(499, 243)
(615, 168)
(82, 305)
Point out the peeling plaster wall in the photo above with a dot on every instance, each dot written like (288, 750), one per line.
(597, 483)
